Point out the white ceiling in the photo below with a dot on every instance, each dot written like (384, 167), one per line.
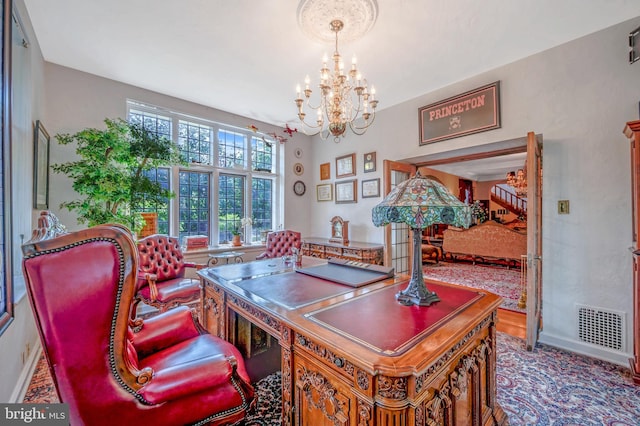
(246, 56)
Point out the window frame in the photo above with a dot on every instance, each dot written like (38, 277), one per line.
(246, 170)
(6, 282)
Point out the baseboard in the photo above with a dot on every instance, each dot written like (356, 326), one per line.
(582, 348)
(24, 380)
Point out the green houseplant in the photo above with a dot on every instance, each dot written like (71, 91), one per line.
(110, 175)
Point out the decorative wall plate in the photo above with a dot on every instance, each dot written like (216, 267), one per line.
(298, 152)
(299, 187)
(298, 169)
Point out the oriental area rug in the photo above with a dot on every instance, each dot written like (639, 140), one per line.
(496, 279)
(544, 387)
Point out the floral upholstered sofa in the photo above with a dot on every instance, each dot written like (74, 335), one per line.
(486, 242)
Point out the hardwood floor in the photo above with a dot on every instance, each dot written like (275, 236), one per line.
(512, 323)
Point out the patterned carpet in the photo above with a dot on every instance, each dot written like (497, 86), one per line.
(496, 279)
(546, 387)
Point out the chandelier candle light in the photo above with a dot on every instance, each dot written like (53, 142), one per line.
(420, 202)
(344, 97)
(518, 182)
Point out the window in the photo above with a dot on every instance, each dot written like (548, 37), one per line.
(152, 122)
(231, 198)
(231, 148)
(231, 175)
(262, 155)
(194, 203)
(195, 142)
(159, 176)
(262, 206)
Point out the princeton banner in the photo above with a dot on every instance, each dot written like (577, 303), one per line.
(471, 112)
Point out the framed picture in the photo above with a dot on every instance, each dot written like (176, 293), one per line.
(371, 188)
(369, 162)
(324, 192)
(634, 45)
(347, 191)
(346, 166)
(471, 112)
(325, 171)
(298, 169)
(40, 167)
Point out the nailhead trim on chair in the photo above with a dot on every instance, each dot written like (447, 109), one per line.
(121, 261)
(240, 407)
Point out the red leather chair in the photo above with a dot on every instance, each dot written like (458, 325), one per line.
(161, 279)
(280, 243)
(81, 287)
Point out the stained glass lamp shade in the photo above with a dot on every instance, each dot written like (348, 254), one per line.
(420, 202)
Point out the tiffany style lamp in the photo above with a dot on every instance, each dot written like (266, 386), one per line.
(420, 202)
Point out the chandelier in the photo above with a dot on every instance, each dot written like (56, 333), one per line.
(344, 98)
(518, 181)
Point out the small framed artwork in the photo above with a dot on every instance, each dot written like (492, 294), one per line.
(371, 188)
(40, 167)
(346, 166)
(347, 191)
(325, 171)
(634, 45)
(298, 169)
(324, 192)
(369, 162)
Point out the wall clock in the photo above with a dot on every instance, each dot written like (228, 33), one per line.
(299, 187)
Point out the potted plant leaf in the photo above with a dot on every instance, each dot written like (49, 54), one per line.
(110, 174)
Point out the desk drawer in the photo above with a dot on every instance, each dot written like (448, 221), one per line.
(333, 250)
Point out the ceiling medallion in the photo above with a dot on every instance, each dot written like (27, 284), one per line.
(358, 17)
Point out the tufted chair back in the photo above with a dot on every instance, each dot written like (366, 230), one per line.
(169, 371)
(161, 277)
(161, 255)
(280, 243)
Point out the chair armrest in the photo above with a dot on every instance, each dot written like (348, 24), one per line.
(262, 256)
(189, 378)
(150, 280)
(164, 330)
(197, 266)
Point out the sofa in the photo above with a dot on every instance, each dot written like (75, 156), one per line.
(489, 241)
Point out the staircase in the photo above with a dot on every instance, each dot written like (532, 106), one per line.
(505, 196)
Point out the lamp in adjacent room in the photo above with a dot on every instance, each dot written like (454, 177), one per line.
(346, 100)
(420, 202)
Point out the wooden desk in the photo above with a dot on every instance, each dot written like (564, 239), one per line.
(322, 248)
(354, 356)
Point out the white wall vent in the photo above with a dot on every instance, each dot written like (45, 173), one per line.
(601, 327)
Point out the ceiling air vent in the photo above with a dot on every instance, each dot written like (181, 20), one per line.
(601, 327)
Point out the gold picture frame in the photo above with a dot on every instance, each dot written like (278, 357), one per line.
(325, 171)
(346, 166)
(324, 192)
